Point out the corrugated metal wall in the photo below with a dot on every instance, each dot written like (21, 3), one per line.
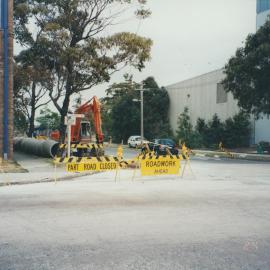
(263, 5)
(199, 94)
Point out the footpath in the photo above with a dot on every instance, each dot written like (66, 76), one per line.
(29, 170)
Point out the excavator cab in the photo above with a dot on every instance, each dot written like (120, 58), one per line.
(85, 132)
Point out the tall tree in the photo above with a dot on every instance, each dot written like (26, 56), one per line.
(73, 44)
(184, 130)
(122, 115)
(29, 91)
(31, 75)
(247, 73)
(48, 119)
(156, 110)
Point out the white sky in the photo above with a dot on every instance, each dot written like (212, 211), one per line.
(191, 37)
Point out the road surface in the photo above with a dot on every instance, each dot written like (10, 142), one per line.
(216, 217)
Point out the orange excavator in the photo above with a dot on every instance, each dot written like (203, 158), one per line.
(81, 131)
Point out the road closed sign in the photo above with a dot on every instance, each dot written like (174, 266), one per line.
(160, 166)
(92, 166)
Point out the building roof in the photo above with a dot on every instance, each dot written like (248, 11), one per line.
(196, 77)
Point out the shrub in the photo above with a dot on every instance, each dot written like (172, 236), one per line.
(202, 129)
(185, 132)
(234, 132)
(237, 131)
(215, 132)
(184, 126)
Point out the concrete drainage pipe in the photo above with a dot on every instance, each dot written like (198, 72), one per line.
(41, 148)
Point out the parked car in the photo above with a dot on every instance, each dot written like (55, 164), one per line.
(136, 141)
(159, 146)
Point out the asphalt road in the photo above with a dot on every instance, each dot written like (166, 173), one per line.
(216, 217)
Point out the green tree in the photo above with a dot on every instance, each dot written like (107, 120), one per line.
(122, 115)
(202, 128)
(237, 131)
(29, 90)
(48, 119)
(74, 46)
(156, 107)
(215, 132)
(20, 121)
(185, 132)
(234, 132)
(184, 126)
(247, 73)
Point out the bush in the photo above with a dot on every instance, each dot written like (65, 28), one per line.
(234, 132)
(237, 131)
(202, 129)
(185, 132)
(184, 126)
(215, 132)
(195, 140)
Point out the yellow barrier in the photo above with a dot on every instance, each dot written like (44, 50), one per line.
(41, 137)
(81, 146)
(150, 164)
(162, 165)
(87, 159)
(221, 147)
(92, 166)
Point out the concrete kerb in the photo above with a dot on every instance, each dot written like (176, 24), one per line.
(241, 156)
(47, 180)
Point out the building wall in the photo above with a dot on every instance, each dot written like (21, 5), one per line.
(262, 126)
(199, 94)
(261, 18)
(262, 5)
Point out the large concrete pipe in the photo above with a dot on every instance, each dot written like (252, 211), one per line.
(41, 148)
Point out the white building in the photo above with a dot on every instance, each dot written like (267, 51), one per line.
(262, 126)
(204, 95)
(263, 11)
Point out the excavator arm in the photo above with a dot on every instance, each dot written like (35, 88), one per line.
(93, 105)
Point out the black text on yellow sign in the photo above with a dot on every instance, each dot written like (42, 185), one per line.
(92, 166)
(161, 166)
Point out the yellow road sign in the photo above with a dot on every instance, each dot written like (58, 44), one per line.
(160, 166)
(92, 166)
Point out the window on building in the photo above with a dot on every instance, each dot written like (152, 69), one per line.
(222, 96)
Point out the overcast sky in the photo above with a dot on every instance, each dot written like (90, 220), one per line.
(191, 37)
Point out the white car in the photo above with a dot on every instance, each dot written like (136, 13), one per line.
(136, 141)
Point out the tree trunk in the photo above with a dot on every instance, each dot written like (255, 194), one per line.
(65, 106)
(33, 111)
(64, 112)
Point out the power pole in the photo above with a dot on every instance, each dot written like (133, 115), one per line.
(6, 85)
(142, 128)
(141, 89)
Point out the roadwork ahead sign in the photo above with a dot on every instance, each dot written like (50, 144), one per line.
(160, 166)
(92, 166)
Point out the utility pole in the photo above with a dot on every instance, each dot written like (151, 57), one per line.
(142, 131)
(141, 89)
(6, 74)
